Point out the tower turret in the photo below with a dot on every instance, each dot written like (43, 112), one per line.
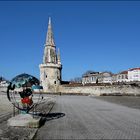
(58, 57)
(50, 70)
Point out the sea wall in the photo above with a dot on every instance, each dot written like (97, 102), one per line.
(95, 90)
(101, 90)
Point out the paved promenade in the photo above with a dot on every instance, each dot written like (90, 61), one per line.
(19, 133)
(84, 117)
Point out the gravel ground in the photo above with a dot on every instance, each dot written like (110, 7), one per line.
(16, 133)
(129, 101)
(5, 105)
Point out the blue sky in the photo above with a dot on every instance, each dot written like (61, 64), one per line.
(91, 35)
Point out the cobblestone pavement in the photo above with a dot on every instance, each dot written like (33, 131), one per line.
(83, 117)
(129, 101)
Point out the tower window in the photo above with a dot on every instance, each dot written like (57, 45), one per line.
(46, 76)
(54, 82)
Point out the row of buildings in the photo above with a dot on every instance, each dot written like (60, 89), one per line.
(129, 75)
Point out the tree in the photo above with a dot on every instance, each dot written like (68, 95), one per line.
(97, 81)
(76, 80)
(0, 78)
(3, 79)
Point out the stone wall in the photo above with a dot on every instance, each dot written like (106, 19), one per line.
(101, 90)
(96, 90)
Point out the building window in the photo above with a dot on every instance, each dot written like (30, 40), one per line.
(54, 82)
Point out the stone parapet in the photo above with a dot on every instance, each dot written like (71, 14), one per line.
(102, 90)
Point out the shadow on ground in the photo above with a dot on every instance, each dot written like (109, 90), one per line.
(50, 116)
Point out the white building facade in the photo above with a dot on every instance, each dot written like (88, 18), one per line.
(90, 78)
(97, 77)
(105, 77)
(122, 76)
(134, 74)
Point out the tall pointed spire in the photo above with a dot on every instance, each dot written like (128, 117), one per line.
(50, 20)
(50, 38)
(50, 49)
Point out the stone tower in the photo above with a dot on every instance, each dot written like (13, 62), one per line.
(50, 70)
